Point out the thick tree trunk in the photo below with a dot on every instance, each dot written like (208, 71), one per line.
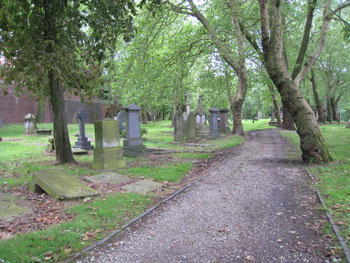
(288, 122)
(40, 113)
(329, 109)
(143, 116)
(334, 106)
(238, 102)
(62, 143)
(317, 98)
(275, 104)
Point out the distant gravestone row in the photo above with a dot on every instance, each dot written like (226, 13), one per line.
(195, 126)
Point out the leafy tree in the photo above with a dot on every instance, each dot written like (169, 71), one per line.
(57, 46)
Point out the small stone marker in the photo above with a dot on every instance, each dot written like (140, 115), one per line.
(191, 127)
(142, 187)
(179, 127)
(133, 144)
(121, 118)
(223, 124)
(110, 178)
(82, 142)
(108, 154)
(214, 127)
(59, 184)
(9, 209)
(29, 124)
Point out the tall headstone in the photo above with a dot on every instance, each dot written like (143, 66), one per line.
(202, 129)
(29, 124)
(214, 126)
(179, 127)
(190, 133)
(108, 154)
(188, 109)
(223, 124)
(82, 142)
(133, 144)
(260, 115)
(121, 119)
(272, 115)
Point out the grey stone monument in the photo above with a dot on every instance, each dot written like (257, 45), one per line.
(260, 115)
(191, 127)
(121, 119)
(223, 124)
(133, 144)
(108, 154)
(179, 127)
(82, 142)
(29, 124)
(214, 127)
(202, 129)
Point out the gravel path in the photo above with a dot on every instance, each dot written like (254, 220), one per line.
(255, 207)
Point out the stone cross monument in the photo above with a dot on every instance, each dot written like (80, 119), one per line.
(82, 142)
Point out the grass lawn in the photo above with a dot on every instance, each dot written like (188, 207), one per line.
(94, 218)
(334, 178)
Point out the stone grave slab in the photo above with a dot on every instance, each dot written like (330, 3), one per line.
(59, 184)
(79, 151)
(110, 178)
(9, 209)
(142, 187)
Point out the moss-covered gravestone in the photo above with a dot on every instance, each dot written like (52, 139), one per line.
(108, 154)
(9, 209)
(179, 127)
(59, 184)
(191, 127)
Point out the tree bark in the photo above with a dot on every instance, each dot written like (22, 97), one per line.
(237, 104)
(60, 129)
(288, 122)
(275, 104)
(329, 108)
(334, 105)
(40, 113)
(143, 116)
(312, 143)
(317, 98)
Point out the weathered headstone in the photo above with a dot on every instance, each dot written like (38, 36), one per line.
(187, 112)
(110, 178)
(121, 118)
(82, 142)
(202, 129)
(29, 124)
(59, 184)
(190, 127)
(260, 115)
(142, 187)
(108, 154)
(223, 124)
(214, 127)
(272, 115)
(179, 127)
(133, 144)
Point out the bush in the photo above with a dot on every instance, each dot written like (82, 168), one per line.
(143, 131)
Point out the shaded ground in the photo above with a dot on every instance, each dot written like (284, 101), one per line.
(255, 207)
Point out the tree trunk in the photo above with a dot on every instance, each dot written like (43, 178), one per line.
(62, 143)
(143, 116)
(238, 102)
(275, 104)
(40, 113)
(329, 109)
(317, 99)
(334, 105)
(288, 122)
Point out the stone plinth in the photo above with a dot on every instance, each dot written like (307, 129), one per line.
(214, 126)
(133, 144)
(223, 123)
(179, 127)
(82, 142)
(108, 154)
(29, 124)
(59, 184)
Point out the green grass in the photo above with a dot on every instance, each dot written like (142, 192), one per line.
(192, 155)
(334, 178)
(262, 124)
(92, 222)
(167, 173)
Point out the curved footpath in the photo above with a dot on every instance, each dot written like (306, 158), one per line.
(255, 207)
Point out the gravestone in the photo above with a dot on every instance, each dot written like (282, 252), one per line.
(214, 127)
(191, 127)
(108, 154)
(202, 129)
(60, 185)
(273, 116)
(223, 124)
(142, 187)
(133, 144)
(9, 208)
(110, 178)
(188, 109)
(121, 119)
(260, 115)
(82, 142)
(179, 127)
(29, 124)
(0, 122)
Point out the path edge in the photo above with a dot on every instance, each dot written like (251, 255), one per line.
(331, 220)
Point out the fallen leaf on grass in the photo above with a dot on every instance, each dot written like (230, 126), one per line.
(341, 223)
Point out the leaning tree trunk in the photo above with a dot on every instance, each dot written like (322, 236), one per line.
(318, 103)
(288, 122)
(62, 143)
(275, 104)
